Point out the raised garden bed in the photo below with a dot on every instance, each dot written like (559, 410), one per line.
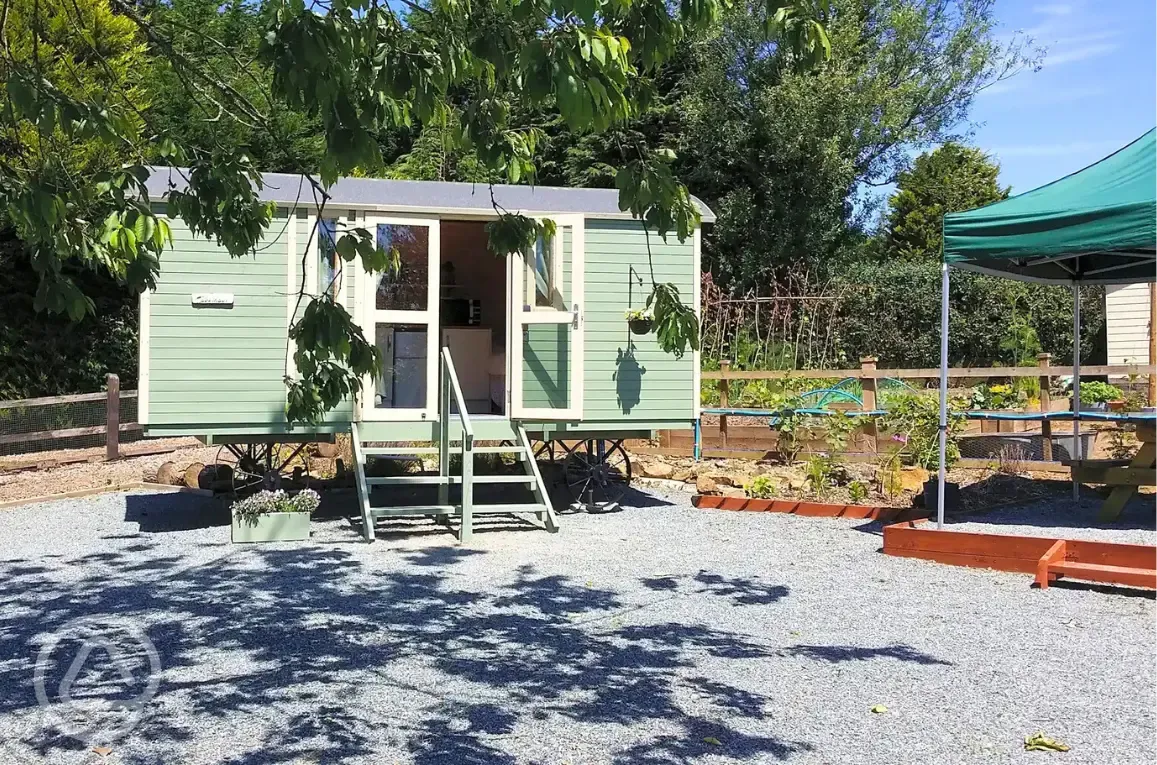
(807, 508)
(1047, 558)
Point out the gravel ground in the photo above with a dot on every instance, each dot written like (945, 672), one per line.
(659, 634)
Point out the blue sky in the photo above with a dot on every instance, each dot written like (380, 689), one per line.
(1095, 91)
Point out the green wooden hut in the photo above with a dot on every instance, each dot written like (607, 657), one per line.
(475, 347)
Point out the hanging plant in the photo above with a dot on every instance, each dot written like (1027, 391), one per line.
(640, 322)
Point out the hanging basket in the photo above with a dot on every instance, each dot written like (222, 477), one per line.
(641, 326)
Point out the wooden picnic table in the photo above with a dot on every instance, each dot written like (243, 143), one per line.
(1124, 476)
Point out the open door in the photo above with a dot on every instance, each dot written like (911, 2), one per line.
(545, 346)
(399, 313)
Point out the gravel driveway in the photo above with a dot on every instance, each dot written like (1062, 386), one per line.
(659, 634)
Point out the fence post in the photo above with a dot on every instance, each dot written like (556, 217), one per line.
(724, 391)
(868, 386)
(113, 418)
(1046, 426)
(1152, 342)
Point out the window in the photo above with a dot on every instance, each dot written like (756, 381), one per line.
(329, 267)
(404, 285)
(543, 273)
(402, 384)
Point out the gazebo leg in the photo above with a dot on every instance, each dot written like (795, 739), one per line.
(942, 470)
(1076, 455)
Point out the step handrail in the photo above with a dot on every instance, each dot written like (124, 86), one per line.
(451, 375)
(449, 383)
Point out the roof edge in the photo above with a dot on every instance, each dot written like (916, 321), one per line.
(292, 189)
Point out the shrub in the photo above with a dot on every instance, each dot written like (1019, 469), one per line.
(760, 487)
(1097, 392)
(839, 428)
(1123, 444)
(857, 491)
(916, 419)
(819, 475)
(998, 397)
(250, 509)
(903, 300)
(891, 482)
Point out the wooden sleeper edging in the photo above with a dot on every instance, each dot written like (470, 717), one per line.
(806, 508)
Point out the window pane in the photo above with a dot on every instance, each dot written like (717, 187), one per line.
(403, 381)
(404, 284)
(327, 257)
(543, 273)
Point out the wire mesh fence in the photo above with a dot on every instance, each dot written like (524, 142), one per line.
(65, 422)
(788, 326)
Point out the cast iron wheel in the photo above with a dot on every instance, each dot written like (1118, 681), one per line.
(544, 452)
(597, 473)
(258, 466)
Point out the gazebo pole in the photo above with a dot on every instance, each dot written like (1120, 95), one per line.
(1076, 455)
(942, 470)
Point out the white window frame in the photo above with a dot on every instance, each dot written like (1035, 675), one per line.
(523, 312)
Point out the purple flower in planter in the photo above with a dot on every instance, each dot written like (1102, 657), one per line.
(900, 438)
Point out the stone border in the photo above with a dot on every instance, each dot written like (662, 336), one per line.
(808, 509)
(130, 486)
(667, 484)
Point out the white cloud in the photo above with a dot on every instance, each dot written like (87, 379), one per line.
(1033, 91)
(1078, 54)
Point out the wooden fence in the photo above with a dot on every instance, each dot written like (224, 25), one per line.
(18, 416)
(869, 375)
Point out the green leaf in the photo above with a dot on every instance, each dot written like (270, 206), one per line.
(598, 49)
(144, 227)
(347, 247)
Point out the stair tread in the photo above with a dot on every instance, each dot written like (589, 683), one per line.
(508, 509)
(412, 480)
(416, 509)
(503, 479)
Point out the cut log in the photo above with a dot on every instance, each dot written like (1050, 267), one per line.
(167, 474)
(193, 475)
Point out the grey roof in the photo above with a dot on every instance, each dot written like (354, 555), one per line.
(429, 196)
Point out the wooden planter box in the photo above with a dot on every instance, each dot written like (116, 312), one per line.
(805, 508)
(272, 527)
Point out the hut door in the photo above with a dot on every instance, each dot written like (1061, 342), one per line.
(398, 311)
(546, 326)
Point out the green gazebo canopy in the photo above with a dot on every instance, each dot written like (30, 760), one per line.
(1096, 226)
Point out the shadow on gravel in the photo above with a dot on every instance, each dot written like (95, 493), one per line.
(160, 513)
(743, 591)
(1104, 589)
(837, 654)
(292, 638)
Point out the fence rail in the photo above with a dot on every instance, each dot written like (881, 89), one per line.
(864, 372)
(869, 373)
(72, 421)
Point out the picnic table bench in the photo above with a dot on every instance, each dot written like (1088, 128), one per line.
(1124, 476)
